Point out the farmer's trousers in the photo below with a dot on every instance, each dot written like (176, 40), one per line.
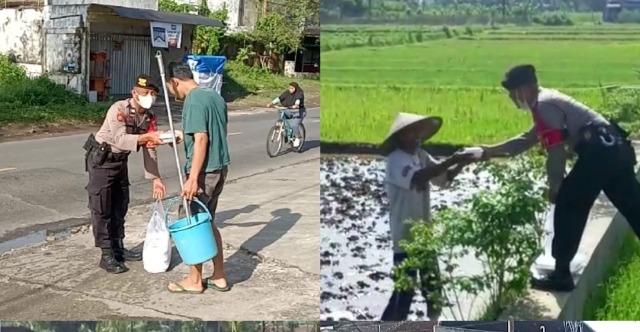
(108, 190)
(400, 302)
(598, 168)
(294, 121)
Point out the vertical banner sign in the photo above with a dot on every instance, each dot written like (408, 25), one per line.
(165, 35)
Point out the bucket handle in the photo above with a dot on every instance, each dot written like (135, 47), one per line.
(175, 199)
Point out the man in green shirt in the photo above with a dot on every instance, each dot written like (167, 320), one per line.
(204, 122)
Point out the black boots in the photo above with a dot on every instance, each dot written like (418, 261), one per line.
(121, 254)
(560, 280)
(109, 263)
(113, 258)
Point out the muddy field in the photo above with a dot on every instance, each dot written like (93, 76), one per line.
(356, 254)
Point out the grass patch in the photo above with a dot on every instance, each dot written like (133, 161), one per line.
(459, 81)
(241, 81)
(237, 76)
(39, 100)
(483, 62)
(616, 298)
(471, 115)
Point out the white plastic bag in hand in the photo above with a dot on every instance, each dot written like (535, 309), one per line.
(545, 262)
(156, 253)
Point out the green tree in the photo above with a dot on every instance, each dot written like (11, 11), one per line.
(501, 227)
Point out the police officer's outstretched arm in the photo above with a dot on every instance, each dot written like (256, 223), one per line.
(511, 147)
(122, 140)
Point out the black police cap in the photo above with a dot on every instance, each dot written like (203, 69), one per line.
(146, 82)
(518, 76)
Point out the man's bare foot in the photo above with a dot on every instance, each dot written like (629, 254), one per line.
(185, 286)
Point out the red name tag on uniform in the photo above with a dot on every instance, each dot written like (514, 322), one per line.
(153, 124)
(548, 137)
(551, 137)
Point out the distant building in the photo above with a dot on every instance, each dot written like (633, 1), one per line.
(614, 7)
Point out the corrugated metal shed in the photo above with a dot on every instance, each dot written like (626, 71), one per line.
(159, 16)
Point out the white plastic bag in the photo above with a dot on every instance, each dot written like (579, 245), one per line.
(545, 262)
(156, 253)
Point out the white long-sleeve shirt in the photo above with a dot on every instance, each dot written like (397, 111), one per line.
(405, 202)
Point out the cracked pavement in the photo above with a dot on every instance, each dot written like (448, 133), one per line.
(261, 229)
(268, 216)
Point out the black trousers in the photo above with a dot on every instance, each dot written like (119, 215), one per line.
(400, 303)
(108, 199)
(598, 168)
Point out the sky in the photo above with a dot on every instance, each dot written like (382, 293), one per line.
(616, 326)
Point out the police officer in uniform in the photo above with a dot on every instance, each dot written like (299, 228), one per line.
(605, 162)
(128, 127)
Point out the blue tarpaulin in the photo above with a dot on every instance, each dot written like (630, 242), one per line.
(207, 64)
(207, 70)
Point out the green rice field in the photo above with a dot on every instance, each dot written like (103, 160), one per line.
(372, 72)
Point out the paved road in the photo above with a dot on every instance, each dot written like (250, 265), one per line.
(42, 181)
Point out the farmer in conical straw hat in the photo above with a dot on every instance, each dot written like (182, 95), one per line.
(409, 171)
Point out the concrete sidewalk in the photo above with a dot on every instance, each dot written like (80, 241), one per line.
(269, 223)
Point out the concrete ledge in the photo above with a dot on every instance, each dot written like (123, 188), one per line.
(600, 243)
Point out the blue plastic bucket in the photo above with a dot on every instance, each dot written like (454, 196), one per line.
(194, 238)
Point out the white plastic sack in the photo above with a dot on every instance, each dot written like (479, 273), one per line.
(156, 253)
(545, 262)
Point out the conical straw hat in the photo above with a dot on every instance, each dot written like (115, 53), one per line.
(428, 125)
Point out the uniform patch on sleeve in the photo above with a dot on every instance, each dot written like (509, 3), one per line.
(405, 170)
(120, 116)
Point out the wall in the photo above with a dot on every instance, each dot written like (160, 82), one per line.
(64, 43)
(21, 35)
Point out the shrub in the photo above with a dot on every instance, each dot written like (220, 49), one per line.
(501, 226)
(41, 100)
(10, 72)
(552, 19)
(623, 106)
(629, 16)
(447, 31)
